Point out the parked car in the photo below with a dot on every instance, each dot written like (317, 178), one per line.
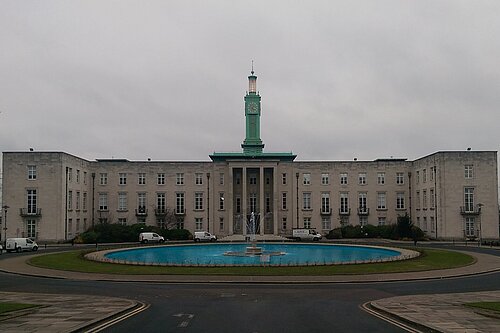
(306, 234)
(20, 244)
(150, 237)
(200, 236)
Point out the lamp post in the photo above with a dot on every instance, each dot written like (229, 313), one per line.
(208, 201)
(5, 225)
(297, 193)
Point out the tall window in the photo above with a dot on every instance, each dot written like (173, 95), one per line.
(307, 222)
(85, 178)
(283, 178)
(179, 202)
(469, 171)
(470, 230)
(418, 199)
(432, 199)
(78, 200)
(326, 223)
(31, 195)
(363, 220)
(469, 199)
(179, 178)
(78, 176)
(306, 179)
(362, 202)
(381, 200)
(238, 204)
(31, 172)
(283, 200)
(70, 200)
(325, 202)
(221, 201)
(431, 172)
(221, 178)
(70, 174)
(141, 178)
(84, 201)
(268, 202)
(198, 223)
(400, 178)
(400, 200)
(343, 178)
(31, 228)
(122, 201)
(103, 178)
(221, 224)
(424, 199)
(141, 202)
(418, 177)
(344, 202)
(325, 179)
(198, 178)
(252, 201)
(160, 179)
(103, 201)
(198, 201)
(362, 178)
(122, 178)
(306, 201)
(424, 175)
(161, 202)
(381, 178)
(253, 179)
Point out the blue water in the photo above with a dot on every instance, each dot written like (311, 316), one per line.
(213, 254)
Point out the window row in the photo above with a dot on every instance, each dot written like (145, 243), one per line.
(160, 178)
(362, 206)
(344, 178)
(326, 222)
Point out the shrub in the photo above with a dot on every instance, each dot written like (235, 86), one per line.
(334, 234)
(117, 233)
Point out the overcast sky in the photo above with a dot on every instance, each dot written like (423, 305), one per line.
(166, 79)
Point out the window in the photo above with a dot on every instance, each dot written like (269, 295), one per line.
(31, 172)
(343, 179)
(198, 201)
(221, 201)
(253, 179)
(179, 202)
(70, 200)
(284, 200)
(70, 226)
(85, 178)
(84, 201)
(85, 224)
(418, 199)
(283, 178)
(31, 228)
(469, 171)
(70, 174)
(400, 178)
(362, 179)
(122, 201)
(78, 176)
(432, 171)
(400, 200)
(425, 223)
(382, 220)
(160, 179)
(381, 178)
(469, 199)
(325, 203)
(252, 201)
(424, 199)
(31, 201)
(470, 230)
(103, 177)
(198, 223)
(141, 179)
(306, 179)
(424, 175)
(283, 223)
(161, 202)
(221, 178)
(238, 205)
(363, 220)
(268, 202)
(122, 178)
(432, 199)
(122, 220)
(344, 202)
(362, 202)
(326, 223)
(141, 203)
(198, 178)
(306, 201)
(307, 222)
(179, 179)
(381, 200)
(78, 200)
(103, 201)
(221, 224)
(418, 177)
(325, 179)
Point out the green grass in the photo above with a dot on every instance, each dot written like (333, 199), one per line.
(8, 307)
(492, 306)
(430, 259)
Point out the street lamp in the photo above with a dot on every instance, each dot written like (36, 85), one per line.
(5, 225)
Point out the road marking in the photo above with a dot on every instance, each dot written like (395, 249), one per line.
(184, 323)
(118, 319)
(366, 307)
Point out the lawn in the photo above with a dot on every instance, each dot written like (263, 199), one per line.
(430, 259)
(8, 307)
(492, 306)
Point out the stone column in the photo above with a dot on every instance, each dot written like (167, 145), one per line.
(244, 199)
(275, 202)
(228, 202)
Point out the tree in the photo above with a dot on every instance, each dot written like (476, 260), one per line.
(404, 226)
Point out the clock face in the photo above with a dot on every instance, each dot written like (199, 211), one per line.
(252, 108)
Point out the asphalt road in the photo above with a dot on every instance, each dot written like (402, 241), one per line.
(252, 308)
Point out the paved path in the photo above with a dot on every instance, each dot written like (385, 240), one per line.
(444, 312)
(59, 313)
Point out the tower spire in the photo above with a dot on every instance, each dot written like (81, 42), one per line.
(252, 68)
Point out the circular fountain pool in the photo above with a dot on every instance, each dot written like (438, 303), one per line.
(214, 255)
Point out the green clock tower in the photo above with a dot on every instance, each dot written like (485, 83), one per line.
(253, 144)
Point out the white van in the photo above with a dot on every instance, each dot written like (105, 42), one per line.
(153, 237)
(20, 244)
(204, 236)
(306, 234)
